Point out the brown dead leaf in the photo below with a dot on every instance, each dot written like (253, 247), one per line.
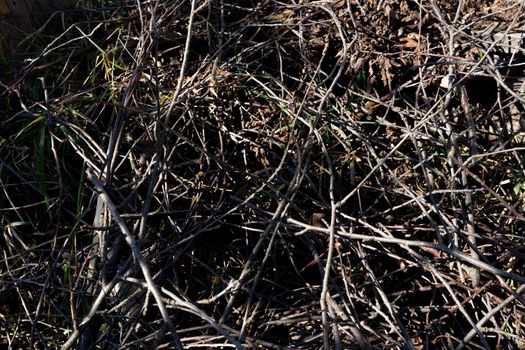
(317, 219)
(408, 43)
(436, 253)
(386, 71)
(283, 17)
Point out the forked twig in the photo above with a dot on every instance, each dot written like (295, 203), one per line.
(152, 287)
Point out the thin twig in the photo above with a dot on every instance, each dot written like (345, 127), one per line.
(152, 287)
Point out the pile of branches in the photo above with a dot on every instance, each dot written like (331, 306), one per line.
(329, 174)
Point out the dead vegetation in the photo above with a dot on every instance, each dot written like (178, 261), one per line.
(326, 174)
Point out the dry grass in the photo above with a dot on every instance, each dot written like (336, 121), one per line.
(200, 174)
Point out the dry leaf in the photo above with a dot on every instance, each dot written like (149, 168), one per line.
(408, 43)
(386, 73)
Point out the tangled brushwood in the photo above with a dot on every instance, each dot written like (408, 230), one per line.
(339, 174)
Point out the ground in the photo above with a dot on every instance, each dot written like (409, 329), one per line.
(321, 174)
